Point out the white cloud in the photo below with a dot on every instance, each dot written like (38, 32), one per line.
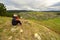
(29, 4)
(1, 1)
(11, 7)
(51, 2)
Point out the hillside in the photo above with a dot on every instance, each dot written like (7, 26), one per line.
(32, 30)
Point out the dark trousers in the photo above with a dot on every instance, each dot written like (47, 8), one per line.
(15, 22)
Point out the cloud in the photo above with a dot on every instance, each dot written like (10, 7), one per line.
(55, 7)
(1, 1)
(11, 7)
(29, 4)
(51, 2)
(56, 4)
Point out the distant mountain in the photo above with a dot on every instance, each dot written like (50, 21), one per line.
(19, 10)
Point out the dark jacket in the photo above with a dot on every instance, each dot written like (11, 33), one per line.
(15, 22)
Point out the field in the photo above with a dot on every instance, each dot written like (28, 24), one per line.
(35, 26)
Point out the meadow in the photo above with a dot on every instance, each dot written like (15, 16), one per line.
(46, 25)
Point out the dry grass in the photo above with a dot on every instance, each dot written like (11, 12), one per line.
(30, 29)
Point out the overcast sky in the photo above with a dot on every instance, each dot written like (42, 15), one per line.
(31, 4)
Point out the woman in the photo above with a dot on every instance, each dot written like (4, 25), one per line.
(16, 20)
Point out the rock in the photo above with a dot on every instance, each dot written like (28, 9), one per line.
(21, 30)
(13, 29)
(21, 17)
(37, 36)
(10, 37)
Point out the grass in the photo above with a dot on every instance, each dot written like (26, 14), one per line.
(45, 24)
(53, 24)
(30, 27)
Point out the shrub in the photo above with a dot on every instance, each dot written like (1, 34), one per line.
(2, 10)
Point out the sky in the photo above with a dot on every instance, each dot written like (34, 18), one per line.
(37, 5)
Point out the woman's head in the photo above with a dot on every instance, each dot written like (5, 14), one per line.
(15, 15)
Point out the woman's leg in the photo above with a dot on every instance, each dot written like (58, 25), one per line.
(19, 22)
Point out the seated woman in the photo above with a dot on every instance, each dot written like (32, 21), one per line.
(15, 20)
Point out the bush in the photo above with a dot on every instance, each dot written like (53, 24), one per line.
(2, 10)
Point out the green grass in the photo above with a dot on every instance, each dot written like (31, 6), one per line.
(45, 24)
(30, 27)
(53, 24)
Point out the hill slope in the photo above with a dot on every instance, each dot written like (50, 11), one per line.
(32, 30)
